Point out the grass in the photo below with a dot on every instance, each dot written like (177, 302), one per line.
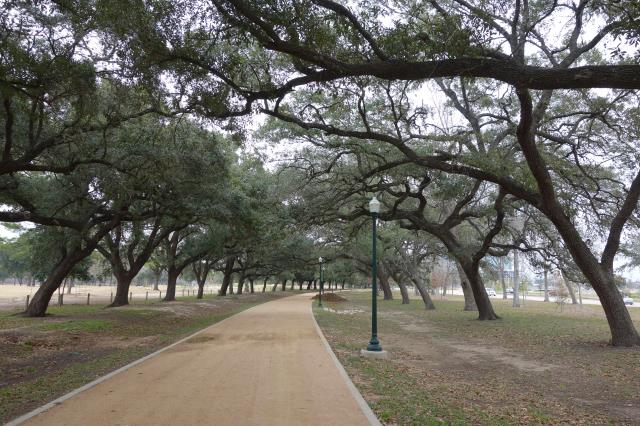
(537, 365)
(43, 358)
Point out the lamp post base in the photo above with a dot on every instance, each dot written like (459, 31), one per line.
(374, 354)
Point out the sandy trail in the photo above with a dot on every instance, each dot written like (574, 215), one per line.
(265, 366)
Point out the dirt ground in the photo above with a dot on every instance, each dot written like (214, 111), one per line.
(535, 366)
(42, 358)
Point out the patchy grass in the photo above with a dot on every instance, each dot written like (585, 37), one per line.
(537, 365)
(43, 358)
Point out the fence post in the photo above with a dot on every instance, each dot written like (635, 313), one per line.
(88, 299)
(27, 304)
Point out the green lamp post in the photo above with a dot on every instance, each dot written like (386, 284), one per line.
(320, 260)
(374, 344)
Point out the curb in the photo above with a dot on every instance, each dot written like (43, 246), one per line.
(366, 410)
(60, 400)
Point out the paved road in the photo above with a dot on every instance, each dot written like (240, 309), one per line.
(264, 366)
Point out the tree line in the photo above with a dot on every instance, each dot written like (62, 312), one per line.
(489, 128)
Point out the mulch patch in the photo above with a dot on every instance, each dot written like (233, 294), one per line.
(330, 297)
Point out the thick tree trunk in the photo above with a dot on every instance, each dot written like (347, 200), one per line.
(599, 272)
(383, 278)
(309, 284)
(469, 301)
(123, 283)
(284, 285)
(483, 303)
(264, 285)
(40, 301)
(342, 284)
(172, 279)
(201, 289)
(274, 287)
(227, 273)
(300, 282)
(315, 284)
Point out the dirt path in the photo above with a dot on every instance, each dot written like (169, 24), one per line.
(266, 366)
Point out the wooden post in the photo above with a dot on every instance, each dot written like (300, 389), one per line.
(88, 299)
(26, 306)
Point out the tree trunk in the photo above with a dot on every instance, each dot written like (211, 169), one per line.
(123, 283)
(424, 292)
(572, 293)
(201, 289)
(274, 287)
(40, 301)
(516, 280)
(483, 303)
(403, 292)
(546, 286)
(504, 286)
(241, 283)
(172, 279)
(227, 273)
(469, 301)
(264, 285)
(342, 284)
(315, 284)
(309, 284)
(383, 278)
(157, 281)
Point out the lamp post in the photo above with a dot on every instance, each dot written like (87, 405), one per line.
(374, 344)
(320, 260)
